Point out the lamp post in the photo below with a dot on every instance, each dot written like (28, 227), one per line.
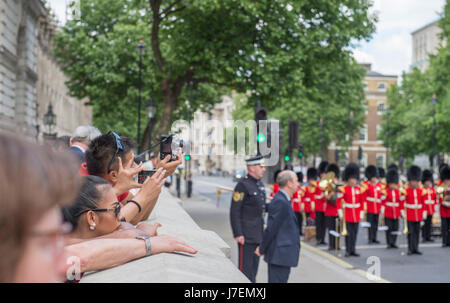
(49, 122)
(321, 138)
(141, 49)
(150, 109)
(351, 137)
(433, 100)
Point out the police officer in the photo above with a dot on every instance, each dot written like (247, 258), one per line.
(246, 215)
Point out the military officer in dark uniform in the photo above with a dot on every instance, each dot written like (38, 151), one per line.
(246, 215)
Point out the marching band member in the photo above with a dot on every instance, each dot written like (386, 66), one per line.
(413, 208)
(371, 193)
(444, 205)
(296, 202)
(429, 204)
(331, 209)
(353, 207)
(392, 203)
(319, 207)
(309, 192)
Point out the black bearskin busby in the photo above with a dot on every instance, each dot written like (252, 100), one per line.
(371, 172)
(427, 175)
(323, 167)
(335, 169)
(311, 173)
(445, 173)
(300, 177)
(381, 172)
(393, 166)
(351, 171)
(392, 176)
(414, 173)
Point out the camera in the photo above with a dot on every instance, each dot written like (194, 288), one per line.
(144, 174)
(170, 144)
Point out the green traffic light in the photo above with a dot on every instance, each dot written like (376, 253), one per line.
(300, 155)
(187, 157)
(287, 158)
(260, 138)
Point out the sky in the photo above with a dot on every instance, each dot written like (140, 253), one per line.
(390, 49)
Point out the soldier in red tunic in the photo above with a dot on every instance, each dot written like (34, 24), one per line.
(371, 191)
(310, 192)
(444, 206)
(296, 202)
(319, 207)
(353, 207)
(331, 209)
(414, 208)
(391, 204)
(429, 204)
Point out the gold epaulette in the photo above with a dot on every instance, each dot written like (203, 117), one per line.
(342, 189)
(384, 192)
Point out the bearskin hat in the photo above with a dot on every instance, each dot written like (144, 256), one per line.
(351, 171)
(441, 168)
(311, 173)
(323, 167)
(381, 172)
(371, 172)
(300, 177)
(427, 175)
(414, 173)
(393, 166)
(392, 176)
(334, 168)
(445, 173)
(275, 175)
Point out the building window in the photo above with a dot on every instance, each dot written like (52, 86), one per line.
(366, 86)
(381, 160)
(363, 133)
(382, 87)
(381, 107)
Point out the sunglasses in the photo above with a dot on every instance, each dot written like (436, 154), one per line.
(116, 210)
(119, 146)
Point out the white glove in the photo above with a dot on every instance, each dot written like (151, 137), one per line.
(340, 213)
(424, 216)
(403, 213)
(361, 215)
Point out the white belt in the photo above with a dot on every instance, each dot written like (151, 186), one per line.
(349, 205)
(373, 199)
(320, 196)
(307, 199)
(429, 202)
(392, 204)
(413, 206)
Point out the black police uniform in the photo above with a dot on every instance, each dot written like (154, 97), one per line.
(246, 215)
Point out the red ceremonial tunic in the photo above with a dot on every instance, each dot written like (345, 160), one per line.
(429, 200)
(331, 209)
(392, 200)
(275, 189)
(352, 203)
(319, 199)
(296, 200)
(414, 204)
(444, 205)
(308, 197)
(371, 195)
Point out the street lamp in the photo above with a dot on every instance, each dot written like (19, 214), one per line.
(50, 121)
(141, 49)
(321, 138)
(433, 100)
(351, 137)
(150, 109)
(387, 134)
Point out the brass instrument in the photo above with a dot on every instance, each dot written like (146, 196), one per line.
(344, 227)
(327, 184)
(440, 191)
(405, 223)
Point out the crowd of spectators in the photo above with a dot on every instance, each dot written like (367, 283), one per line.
(77, 200)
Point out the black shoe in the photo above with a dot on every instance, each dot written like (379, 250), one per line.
(324, 243)
(394, 246)
(418, 252)
(354, 254)
(376, 241)
(347, 255)
(409, 253)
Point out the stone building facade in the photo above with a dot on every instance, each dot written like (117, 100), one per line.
(30, 78)
(425, 41)
(373, 150)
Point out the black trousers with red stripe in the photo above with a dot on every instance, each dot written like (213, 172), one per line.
(248, 262)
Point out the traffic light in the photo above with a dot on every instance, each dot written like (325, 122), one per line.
(187, 157)
(360, 153)
(287, 156)
(300, 151)
(293, 134)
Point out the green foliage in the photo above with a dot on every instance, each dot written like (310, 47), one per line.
(287, 53)
(408, 128)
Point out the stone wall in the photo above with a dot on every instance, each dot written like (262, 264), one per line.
(211, 264)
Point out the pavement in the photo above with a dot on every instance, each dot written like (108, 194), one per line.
(316, 263)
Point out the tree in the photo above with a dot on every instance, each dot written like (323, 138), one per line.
(266, 47)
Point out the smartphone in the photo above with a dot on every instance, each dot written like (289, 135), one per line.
(165, 147)
(144, 174)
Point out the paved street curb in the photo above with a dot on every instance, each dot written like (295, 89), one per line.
(342, 263)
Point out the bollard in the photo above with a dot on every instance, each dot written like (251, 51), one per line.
(218, 194)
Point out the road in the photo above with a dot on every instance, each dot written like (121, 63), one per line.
(317, 264)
